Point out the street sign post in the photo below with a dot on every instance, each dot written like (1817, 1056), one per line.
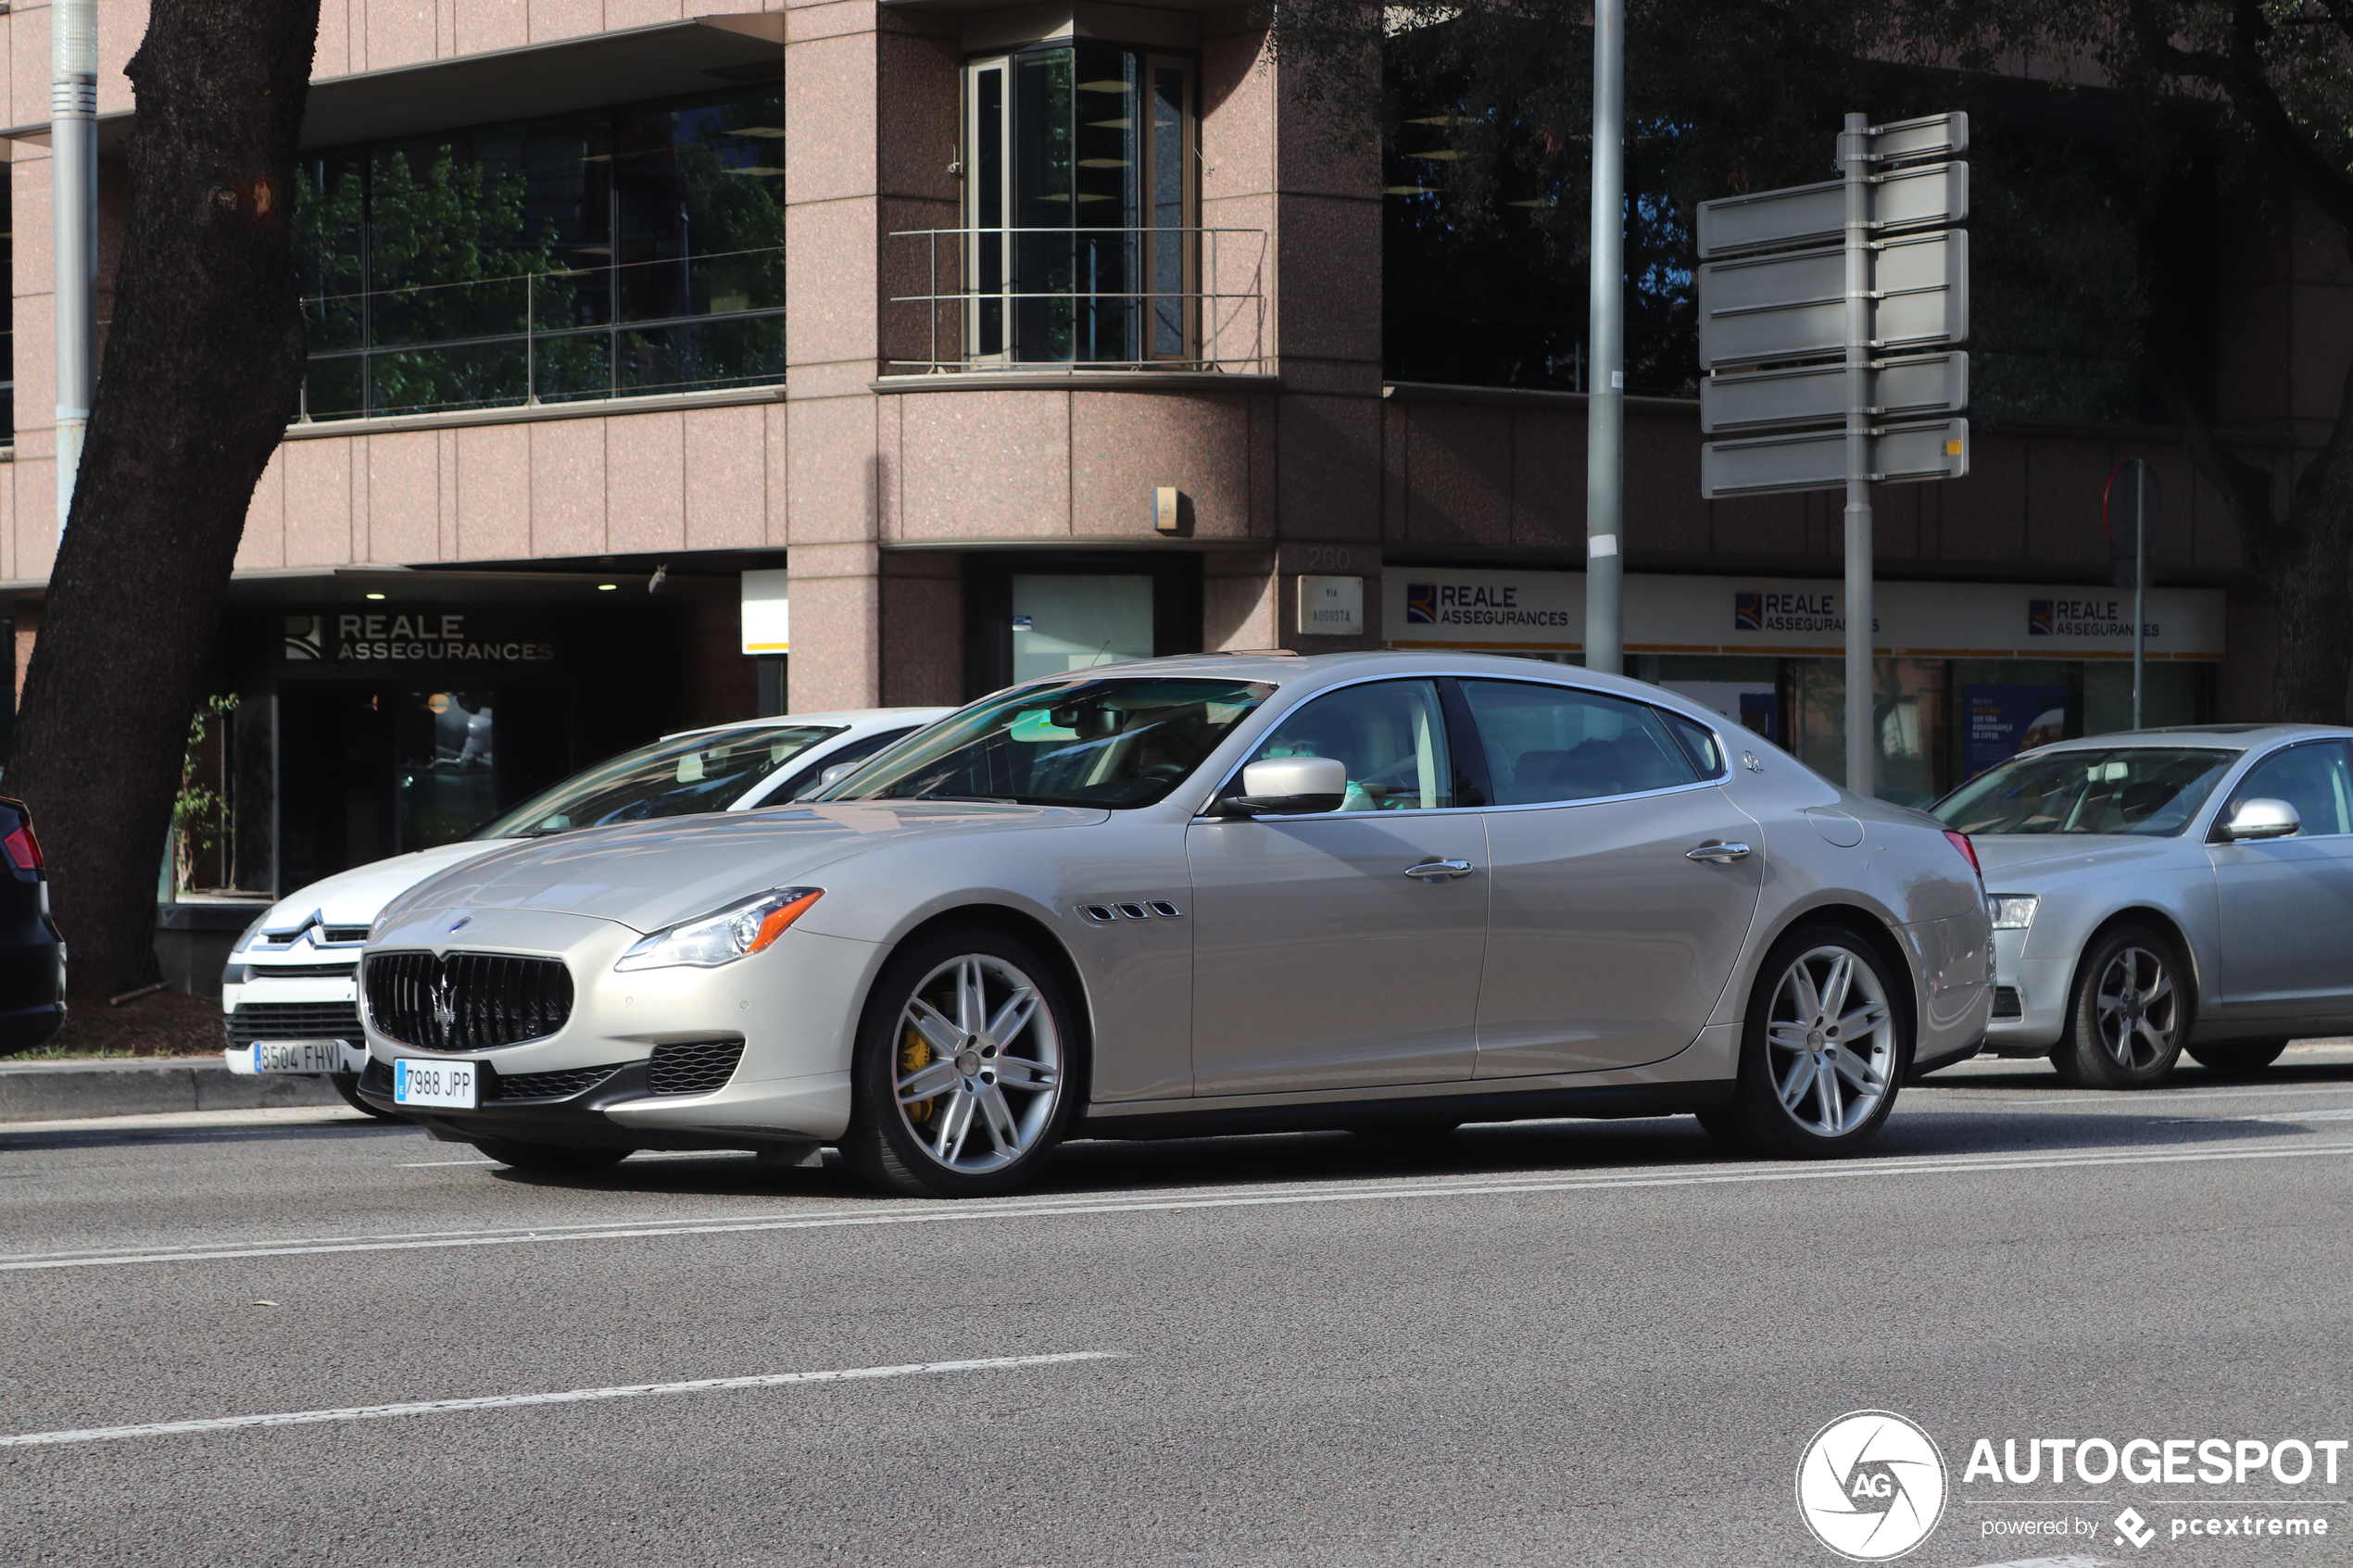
(1813, 301)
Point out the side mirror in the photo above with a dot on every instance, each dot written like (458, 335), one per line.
(1290, 784)
(2263, 819)
(836, 773)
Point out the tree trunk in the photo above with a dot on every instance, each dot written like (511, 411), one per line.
(203, 365)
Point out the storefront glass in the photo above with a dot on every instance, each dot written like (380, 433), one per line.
(447, 778)
(1063, 624)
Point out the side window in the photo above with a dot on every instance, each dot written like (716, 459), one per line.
(2313, 778)
(1547, 744)
(1700, 744)
(1391, 734)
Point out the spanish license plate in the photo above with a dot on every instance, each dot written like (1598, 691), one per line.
(449, 1083)
(298, 1056)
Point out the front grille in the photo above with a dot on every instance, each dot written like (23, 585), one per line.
(301, 971)
(466, 1001)
(294, 1020)
(696, 1068)
(2008, 1003)
(544, 1086)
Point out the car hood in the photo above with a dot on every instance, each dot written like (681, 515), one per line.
(356, 896)
(2015, 861)
(649, 875)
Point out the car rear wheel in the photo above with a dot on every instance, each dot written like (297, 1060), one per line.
(961, 1083)
(2237, 1058)
(550, 1159)
(2130, 1014)
(1822, 1053)
(347, 1085)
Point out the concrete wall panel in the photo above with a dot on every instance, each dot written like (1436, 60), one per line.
(985, 464)
(645, 495)
(1123, 445)
(567, 488)
(1458, 468)
(485, 25)
(832, 472)
(1548, 478)
(403, 516)
(726, 479)
(1329, 468)
(398, 32)
(319, 502)
(493, 493)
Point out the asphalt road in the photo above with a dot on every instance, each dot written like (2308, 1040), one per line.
(1544, 1343)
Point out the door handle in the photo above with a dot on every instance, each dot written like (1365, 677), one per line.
(1439, 871)
(1719, 853)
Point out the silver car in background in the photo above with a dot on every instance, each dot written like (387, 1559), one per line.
(1217, 893)
(2168, 889)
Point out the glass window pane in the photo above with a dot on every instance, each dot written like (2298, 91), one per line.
(2313, 779)
(447, 778)
(1169, 241)
(1064, 623)
(2147, 789)
(670, 778)
(1546, 743)
(1391, 734)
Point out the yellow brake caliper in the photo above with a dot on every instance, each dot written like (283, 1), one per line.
(914, 1055)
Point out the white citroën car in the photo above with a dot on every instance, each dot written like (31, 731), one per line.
(1210, 893)
(290, 990)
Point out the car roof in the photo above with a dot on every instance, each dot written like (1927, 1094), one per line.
(1281, 668)
(852, 717)
(2234, 737)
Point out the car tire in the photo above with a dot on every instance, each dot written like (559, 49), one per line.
(2130, 1014)
(2236, 1058)
(976, 1018)
(1803, 1024)
(347, 1085)
(551, 1159)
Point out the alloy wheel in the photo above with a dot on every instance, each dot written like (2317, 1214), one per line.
(2136, 1010)
(1829, 1041)
(978, 1070)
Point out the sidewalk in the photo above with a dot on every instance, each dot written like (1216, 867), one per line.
(43, 1091)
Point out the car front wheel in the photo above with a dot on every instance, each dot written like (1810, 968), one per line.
(2129, 1015)
(961, 1083)
(1822, 1052)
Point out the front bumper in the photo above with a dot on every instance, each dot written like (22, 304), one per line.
(2031, 997)
(792, 1009)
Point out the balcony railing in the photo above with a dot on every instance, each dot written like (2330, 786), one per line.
(1158, 298)
(561, 335)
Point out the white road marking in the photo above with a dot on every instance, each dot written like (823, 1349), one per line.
(570, 1395)
(2059, 1099)
(909, 1213)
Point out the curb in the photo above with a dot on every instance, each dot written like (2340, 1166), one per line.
(57, 1091)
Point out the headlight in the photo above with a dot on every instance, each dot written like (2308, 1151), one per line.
(2012, 911)
(724, 936)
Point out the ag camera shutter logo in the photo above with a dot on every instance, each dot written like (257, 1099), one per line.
(1871, 1486)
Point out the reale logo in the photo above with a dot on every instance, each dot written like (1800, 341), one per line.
(306, 637)
(1748, 613)
(2038, 618)
(1871, 1486)
(1421, 604)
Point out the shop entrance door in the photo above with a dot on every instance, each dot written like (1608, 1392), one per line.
(368, 771)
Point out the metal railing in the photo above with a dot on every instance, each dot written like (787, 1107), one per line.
(562, 334)
(1038, 318)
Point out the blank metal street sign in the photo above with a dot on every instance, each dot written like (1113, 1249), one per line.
(1764, 465)
(1794, 305)
(1906, 199)
(1907, 389)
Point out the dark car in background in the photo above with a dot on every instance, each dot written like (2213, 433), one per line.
(33, 956)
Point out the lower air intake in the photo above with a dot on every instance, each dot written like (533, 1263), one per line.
(544, 1086)
(2008, 1003)
(696, 1068)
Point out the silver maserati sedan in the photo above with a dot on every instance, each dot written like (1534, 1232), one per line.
(1377, 892)
(2168, 889)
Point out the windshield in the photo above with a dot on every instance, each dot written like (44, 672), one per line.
(1087, 742)
(670, 778)
(2142, 789)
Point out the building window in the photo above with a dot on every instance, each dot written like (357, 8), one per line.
(614, 253)
(1080, 240)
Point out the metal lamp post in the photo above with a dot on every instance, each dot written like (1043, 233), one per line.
(1605, 391)
(74, 173)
